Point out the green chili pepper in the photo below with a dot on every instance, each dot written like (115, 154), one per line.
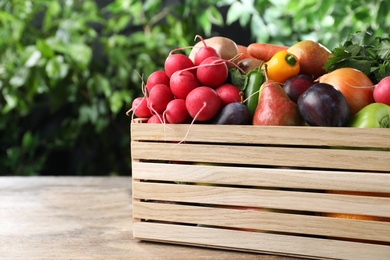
(253, 81)
(374, 115)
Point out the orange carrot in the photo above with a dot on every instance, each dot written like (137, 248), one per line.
(243, 51)
(264, 51)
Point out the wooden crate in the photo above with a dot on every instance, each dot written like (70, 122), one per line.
(263, 189)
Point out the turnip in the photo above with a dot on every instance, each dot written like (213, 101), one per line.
(182, 82)
(382, 91)
(228, 93)
(212, 72)
(203, 103)
(175, 62)
(224, 46)
(157, 77)
(176, 112)
(159, 97)
(204, 52)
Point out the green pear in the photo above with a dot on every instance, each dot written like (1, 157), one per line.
(275, 107)
(312, 57)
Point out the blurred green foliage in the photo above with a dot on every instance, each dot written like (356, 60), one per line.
(327, 21)
(69, 70)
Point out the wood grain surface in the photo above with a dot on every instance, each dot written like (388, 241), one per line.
(81, 218)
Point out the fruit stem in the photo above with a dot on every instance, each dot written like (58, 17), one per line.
(266, 71)
(291, 60)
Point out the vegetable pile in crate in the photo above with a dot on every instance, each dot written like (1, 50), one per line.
(264, 148)
(318, 192)
(220, 82)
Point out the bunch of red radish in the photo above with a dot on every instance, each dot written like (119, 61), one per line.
(187, 90)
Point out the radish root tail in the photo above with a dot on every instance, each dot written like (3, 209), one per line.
(192, 122)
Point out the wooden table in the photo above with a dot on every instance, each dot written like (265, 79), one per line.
(81, 218)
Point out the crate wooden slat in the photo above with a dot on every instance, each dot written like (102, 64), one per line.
(255, 155)
(263, 220)
(264, 177)
(259, 242)
(325, 136)
(278, 199)
(263, 189)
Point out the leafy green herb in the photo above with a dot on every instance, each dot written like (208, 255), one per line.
(365, 52)
(236, 78)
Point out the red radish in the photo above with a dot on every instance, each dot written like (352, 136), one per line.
(382, 91)
(176, 112)
(140, 107)
(212, 72)
(155, 119)
(159, 97)
(228, 94)
(203, 103)
(157, 77)
(204, 52)
(182, 82)
(175, 62)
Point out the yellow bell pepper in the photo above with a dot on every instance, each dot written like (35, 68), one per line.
(282, 66)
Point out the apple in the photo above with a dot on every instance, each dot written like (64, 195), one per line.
(382, 91)
(296, 85)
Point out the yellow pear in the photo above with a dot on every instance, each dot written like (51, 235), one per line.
(312, 57)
